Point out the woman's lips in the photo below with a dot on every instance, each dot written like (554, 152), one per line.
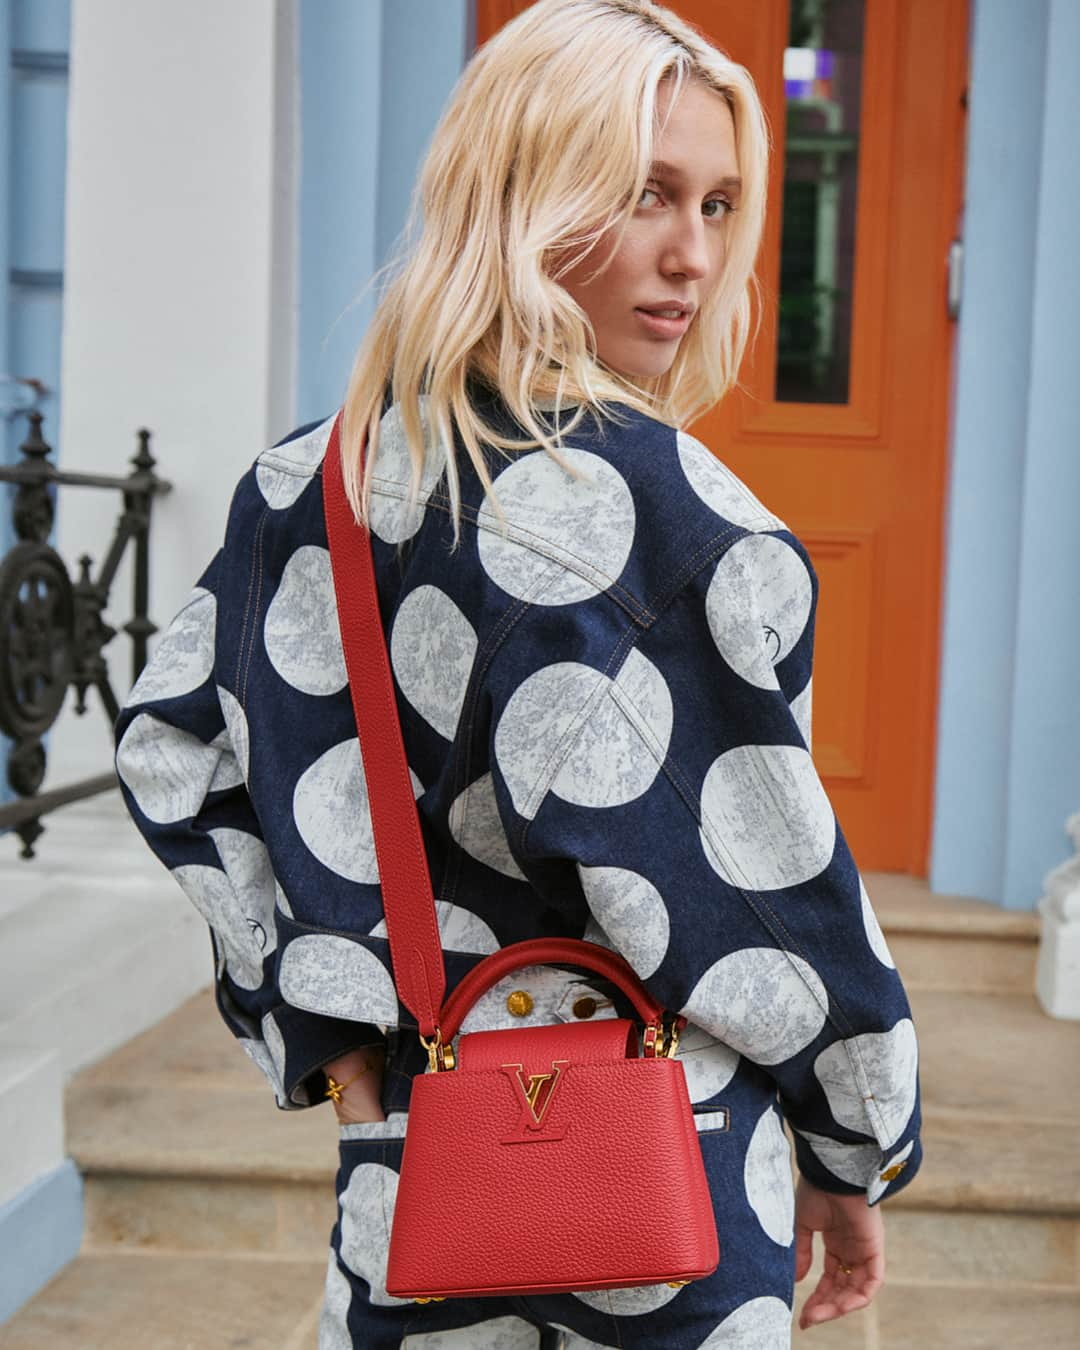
(664, 327)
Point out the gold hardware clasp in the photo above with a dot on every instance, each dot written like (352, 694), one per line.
(672, 1042)
(439, 1056)
(432, 1299)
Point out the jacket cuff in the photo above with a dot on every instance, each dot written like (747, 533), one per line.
(312, 1040)
(857, 1169)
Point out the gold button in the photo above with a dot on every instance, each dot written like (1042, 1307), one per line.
(520, 1003)
(891, 1173)
(585, 1007)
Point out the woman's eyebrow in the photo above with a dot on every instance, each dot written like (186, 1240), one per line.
(661, 167)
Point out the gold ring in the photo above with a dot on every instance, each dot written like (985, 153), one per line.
(846, 1270)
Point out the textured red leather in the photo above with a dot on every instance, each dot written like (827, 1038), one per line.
(550, 1158)
(608, 1191)
(606, 1040)
(415, 949)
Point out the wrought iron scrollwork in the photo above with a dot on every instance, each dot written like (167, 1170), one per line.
(53, 631)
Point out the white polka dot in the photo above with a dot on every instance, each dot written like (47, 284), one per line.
(326, 974)
(330, 807)
(334, 1333)
(802, 711)
(537, 717)
(594, 933)
(284, 471)
(301, 631)
(874, 935)
(720, 489)
(586, 523)
(391, 520)
(757, 605)
(460, 930)
(709, 1064)
(633, 1301)
(553, 993)
(275, 1047)
(622, 745)
(166, 770)
(432, 646)
(767, 822)
(282, 900)
(237, 727)
(228, 774)
(890, 1062)
(475, 823)
(857, 1164)
(259, 1055)
(572, 1341)
(632, 913)
(498, 1333)
(367, 1208)
(766, 1004)
(767, 1177)
(184, 657)
(251, 875)
(761, 1324)
(237, 902)
(877, 1187)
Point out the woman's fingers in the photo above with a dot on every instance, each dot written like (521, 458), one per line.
(804, 1253)
(841, 1289)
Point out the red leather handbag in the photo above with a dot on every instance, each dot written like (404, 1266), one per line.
(536, 1161)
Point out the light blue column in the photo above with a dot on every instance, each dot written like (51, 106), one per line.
(1008, 742)
(1044, 780)
(424, 45)
(374, 79)
(340, 76)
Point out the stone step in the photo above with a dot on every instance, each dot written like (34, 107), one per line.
(173, 1300)
(952, 942)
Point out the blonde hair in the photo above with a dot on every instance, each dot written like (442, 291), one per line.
(551, 123)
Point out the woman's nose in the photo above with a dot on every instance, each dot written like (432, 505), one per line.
(686, 253)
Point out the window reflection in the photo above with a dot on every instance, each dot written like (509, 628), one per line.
(822, 84)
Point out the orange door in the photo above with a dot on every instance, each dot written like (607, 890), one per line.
(841, 424)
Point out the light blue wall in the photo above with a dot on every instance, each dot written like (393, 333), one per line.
(41, 1226)
(1008, 769)
(1044, 781)
(40, 1232)
(374, 79)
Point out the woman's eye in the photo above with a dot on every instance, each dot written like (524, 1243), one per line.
(645, 192)
(718, 201)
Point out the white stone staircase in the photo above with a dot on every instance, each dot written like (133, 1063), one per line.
(83, 929)
(208, 1211)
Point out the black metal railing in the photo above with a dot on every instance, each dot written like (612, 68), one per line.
(52, 630)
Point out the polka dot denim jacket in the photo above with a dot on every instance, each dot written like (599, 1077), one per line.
(606, 710)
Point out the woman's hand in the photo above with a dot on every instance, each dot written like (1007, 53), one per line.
(854, 1237)
(361, 1098)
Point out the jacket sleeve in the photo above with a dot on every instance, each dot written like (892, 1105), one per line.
(181, 757)
(674, 787)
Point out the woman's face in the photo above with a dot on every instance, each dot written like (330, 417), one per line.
(672, 253)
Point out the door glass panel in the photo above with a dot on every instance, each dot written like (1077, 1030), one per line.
(822, 85)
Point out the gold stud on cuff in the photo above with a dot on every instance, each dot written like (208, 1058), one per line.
(891, 1173)
(520, 1003)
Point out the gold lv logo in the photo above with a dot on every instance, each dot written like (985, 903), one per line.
(535, 1098)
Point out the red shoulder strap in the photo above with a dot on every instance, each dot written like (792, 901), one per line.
(415, 949)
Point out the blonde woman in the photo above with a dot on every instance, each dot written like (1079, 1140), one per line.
(602, 645)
